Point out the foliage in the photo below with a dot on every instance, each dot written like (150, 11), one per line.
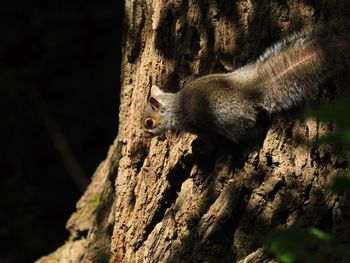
(311, 246)
(339, 114)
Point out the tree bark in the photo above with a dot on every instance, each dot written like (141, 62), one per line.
(159, 200)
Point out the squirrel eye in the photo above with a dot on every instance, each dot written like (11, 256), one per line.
(149, 123)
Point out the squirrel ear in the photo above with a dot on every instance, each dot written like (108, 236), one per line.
(155, 91)
(156, 104)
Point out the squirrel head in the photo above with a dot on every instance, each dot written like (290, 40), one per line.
(156, 118)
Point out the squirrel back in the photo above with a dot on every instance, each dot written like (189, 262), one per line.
(228, 104)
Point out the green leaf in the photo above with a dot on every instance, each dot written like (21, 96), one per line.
(288, 245)
(310, 246)
(320, 234)
(338, 112)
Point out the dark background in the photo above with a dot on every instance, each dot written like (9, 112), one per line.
(59, 82)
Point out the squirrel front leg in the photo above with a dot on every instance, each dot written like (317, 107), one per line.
(209, 139)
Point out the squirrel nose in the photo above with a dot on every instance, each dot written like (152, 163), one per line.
(147, 134)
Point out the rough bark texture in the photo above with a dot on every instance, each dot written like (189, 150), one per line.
(158, 200)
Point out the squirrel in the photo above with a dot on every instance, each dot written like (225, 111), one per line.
(228, 104)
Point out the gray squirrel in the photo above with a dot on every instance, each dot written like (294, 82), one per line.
(228, 104)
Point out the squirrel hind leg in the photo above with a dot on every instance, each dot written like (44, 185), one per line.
(236, 129)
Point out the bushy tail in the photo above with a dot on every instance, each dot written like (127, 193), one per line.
(296, 65)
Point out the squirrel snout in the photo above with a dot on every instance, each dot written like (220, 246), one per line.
(147, 134)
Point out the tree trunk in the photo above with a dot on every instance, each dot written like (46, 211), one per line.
(158, 200)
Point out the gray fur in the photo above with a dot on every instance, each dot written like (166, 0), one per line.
(228, 104)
